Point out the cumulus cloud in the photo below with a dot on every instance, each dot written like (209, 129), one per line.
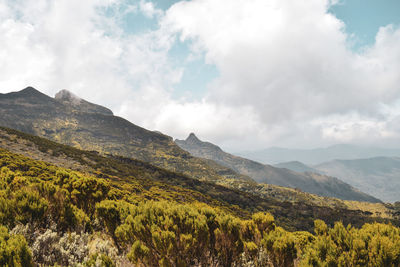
(290, 61)
(287, 74)
(149, 9)
(74, 45)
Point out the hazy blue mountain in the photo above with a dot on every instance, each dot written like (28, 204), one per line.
(379, 176)
(308, 182)
(275, 155)
(297, 166)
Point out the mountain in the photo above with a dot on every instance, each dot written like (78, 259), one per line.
(61, 206)
(308, 182)
(275, 155)
(297, 166)
(73, 121)
(71, 100)
(154, 183)
(379, 176)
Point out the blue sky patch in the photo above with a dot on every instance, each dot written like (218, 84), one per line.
(363, 18)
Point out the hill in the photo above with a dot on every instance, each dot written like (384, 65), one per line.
(308, 182)
(297, 166)
(73, 121)
(115, 211)
(378, 176)
(244, 198)
(275, 155)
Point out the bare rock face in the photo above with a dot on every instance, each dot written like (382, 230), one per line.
(192, 138)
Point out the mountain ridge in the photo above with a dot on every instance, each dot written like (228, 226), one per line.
(276, 155)
(50, 212)
(118, 168)
(308, 182)
(297, 166)
(378, 176)
(33, 112)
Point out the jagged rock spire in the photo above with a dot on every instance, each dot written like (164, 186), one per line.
(192, 138)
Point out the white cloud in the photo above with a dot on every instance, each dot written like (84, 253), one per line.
(149, 9)
(290, 61)
(287, 75)
(71, 44)
(347, 128)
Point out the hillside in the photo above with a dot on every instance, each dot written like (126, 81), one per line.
(378, 176)
(275, 155)
(114, 211)
(308, 182)
(73, 121)
(296, 166)
(285, 204)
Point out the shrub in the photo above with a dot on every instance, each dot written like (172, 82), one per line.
(14, 249)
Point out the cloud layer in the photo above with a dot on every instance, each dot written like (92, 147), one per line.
(287, 74)
(290, 63)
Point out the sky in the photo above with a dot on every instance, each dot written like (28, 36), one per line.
(244, 74)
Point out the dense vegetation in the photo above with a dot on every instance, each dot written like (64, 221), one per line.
(293, 209)
(51, 215)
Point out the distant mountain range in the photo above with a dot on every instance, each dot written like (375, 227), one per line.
(275, 155)
(379, 176)
(309, 182)
(297, 166)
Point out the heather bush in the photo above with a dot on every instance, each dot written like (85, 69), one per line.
(14, 250)
(64, 217)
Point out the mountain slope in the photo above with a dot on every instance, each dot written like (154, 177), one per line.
(142, 180)
(297, 166)
(70, 120)
(378, 176)
(308, 182)
(53, 216)
(275, 155)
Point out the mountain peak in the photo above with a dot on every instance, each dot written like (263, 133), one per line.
(192, 143)
(29, 91)
(192, 138)
(65, 95)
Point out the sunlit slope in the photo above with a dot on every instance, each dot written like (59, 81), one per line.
(292, 208)
(52, 216)
(69, 120)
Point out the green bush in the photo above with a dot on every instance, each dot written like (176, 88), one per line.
(373, 245)
(148, 223)
(14, 250)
